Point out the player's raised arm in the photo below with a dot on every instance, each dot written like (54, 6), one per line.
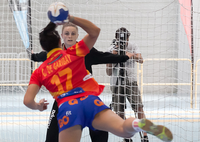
(92, 30)
(58, 13)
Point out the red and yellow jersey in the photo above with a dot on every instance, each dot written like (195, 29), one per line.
(63, 71)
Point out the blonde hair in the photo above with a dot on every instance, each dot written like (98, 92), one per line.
(69, 25)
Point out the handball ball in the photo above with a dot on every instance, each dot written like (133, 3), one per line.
(58, 13)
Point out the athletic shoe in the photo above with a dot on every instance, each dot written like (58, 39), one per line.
(127, 140)
(145, 139)
(159, 131)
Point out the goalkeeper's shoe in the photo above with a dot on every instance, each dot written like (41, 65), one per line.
(159, 131)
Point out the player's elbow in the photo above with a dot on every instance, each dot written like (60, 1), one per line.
(98, 30)
(95, 32)
(27, 101)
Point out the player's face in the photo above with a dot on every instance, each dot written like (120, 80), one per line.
(69, 35)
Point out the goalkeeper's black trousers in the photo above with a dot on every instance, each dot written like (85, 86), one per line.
(53, 131)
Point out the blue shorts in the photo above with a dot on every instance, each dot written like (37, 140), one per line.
(80, 111)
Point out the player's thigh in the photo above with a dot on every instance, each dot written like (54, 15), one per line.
(72, 134)
(107, 120)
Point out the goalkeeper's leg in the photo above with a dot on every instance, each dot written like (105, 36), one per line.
(98, 136)
(52, 130)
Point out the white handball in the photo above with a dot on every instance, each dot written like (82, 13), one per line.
(58, 13)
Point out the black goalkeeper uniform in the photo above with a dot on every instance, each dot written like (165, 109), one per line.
(93, 58)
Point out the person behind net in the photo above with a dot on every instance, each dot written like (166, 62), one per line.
(94, 57)
(76, 92)
(123, 78)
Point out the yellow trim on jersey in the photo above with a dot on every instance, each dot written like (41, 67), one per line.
(54, 94)
(76, 48)
(52, 51)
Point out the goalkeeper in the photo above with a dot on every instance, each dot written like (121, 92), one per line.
(123, 78)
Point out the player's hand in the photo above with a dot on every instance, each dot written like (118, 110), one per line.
(115, 52)
(130, 55)
(42, 105)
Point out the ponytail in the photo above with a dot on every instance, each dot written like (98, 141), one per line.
(49, 28)
(49, 37)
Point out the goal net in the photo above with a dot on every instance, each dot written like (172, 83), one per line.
(166, 32)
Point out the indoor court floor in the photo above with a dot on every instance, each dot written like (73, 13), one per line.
(20, 124)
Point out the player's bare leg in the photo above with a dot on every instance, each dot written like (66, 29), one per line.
(107, 120)
(72, 134)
